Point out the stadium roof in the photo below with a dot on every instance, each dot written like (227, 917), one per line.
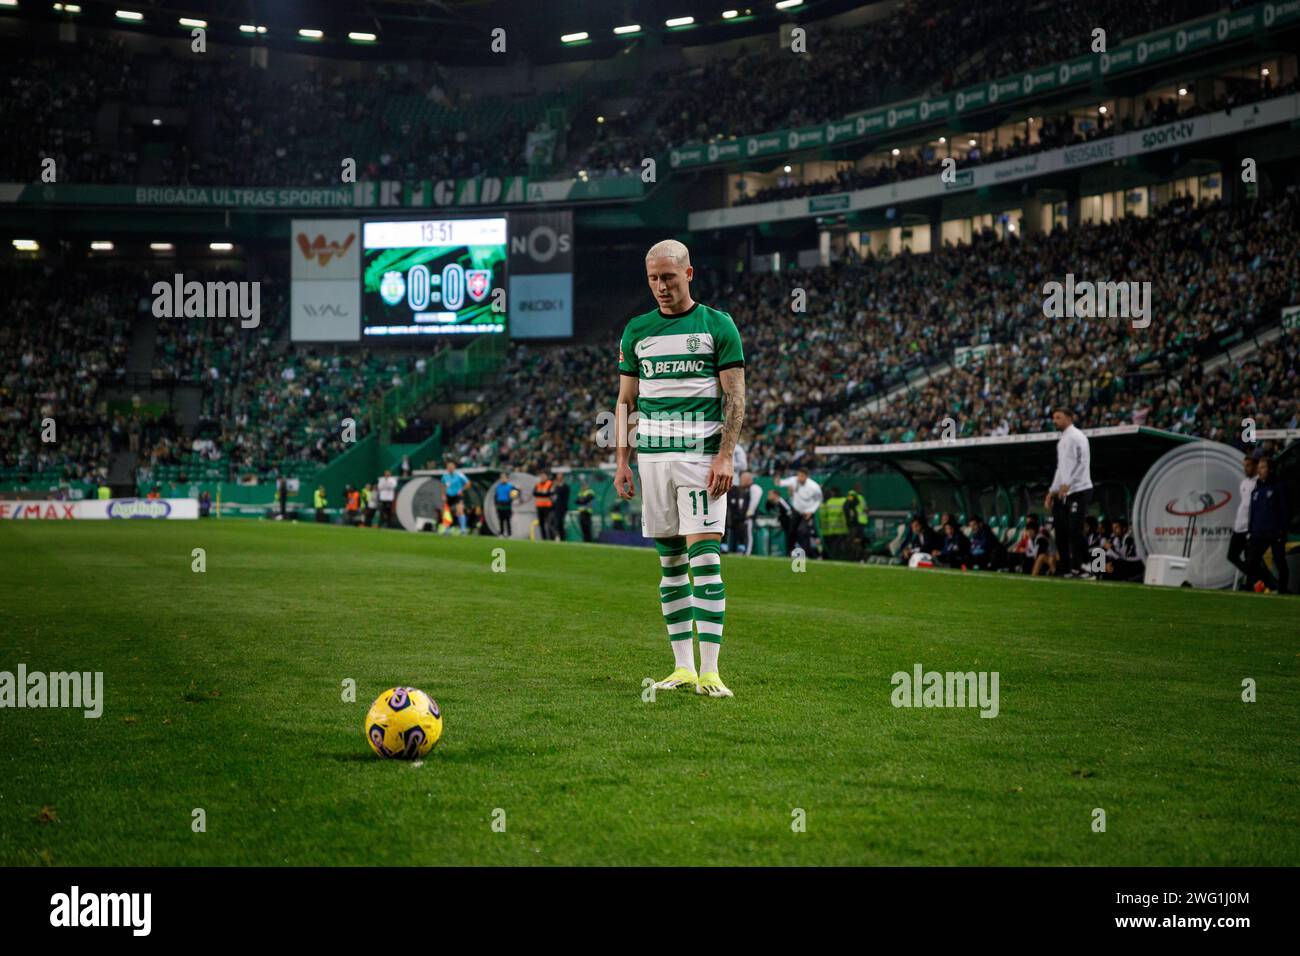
(454, 31)
(1120, 453)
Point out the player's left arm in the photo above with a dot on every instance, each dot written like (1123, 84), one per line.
(721, 472)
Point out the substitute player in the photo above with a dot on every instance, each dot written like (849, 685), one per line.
(682, 366)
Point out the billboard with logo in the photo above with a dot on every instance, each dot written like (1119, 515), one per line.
(325, 303)
(99, 509)
(1185, 507)
(541, 275)
(433, 277)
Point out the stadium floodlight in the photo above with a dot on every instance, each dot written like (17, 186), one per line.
(68, 7)
(624, 31)
(575, 37)
(221, 246)
(27, 245)
(680, 21)
(249, 28)
(8, 3)
(363, 37)
(311, 34)
(191, 22)
(156, 121)
(788, 4)
(128, 15)
(161, 246)
(730, 14)
(600, 119)
(101, 245)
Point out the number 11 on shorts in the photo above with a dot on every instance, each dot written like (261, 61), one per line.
(703, 500)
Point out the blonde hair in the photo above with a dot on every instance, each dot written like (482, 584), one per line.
(670, 249)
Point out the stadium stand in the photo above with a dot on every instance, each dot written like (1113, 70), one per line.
(920, 46)
(265, 407)
(222, 123)
(1051, 132)
(876, 322)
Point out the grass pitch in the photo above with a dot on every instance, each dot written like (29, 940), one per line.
(223, 692)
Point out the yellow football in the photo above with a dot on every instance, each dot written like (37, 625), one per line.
(404, 723)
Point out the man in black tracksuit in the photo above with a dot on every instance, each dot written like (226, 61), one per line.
(560, 508)
(585, 497)
(1270, 513)
(784, 513)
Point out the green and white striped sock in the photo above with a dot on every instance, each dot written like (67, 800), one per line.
(675, 598)
(708, 601)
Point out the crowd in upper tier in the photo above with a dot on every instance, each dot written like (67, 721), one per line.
(109, 113)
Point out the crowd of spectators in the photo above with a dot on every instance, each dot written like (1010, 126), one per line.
(820, 377)
(1054, 132)
(264, 404)
(106, 114)
(62, 341)
(875, 324)
(921, 46)
(81, 103)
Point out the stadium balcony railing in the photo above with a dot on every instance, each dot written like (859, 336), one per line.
(449, 370)
(901, 118)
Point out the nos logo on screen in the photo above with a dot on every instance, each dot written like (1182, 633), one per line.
(541, 244)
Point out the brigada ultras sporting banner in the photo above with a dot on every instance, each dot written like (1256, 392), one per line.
(1185, 507)
(99, 509)
(478, 191)
(1189, 37)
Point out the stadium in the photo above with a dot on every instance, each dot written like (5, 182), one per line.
(490, 361)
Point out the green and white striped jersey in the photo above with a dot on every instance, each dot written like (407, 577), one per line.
(676, 359)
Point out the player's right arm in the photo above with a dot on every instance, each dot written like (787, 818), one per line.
(623, 410)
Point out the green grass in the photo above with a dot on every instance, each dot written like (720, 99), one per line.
(223, 691)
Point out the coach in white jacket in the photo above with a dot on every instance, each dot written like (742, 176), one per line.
(1070, 494)
(806, 499)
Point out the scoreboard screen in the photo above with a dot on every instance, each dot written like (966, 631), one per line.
(433, 277)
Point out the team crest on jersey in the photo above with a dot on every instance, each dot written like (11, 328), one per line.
(692, 343)
(478, 280)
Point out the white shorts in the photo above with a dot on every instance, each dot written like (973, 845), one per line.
(675, 499)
